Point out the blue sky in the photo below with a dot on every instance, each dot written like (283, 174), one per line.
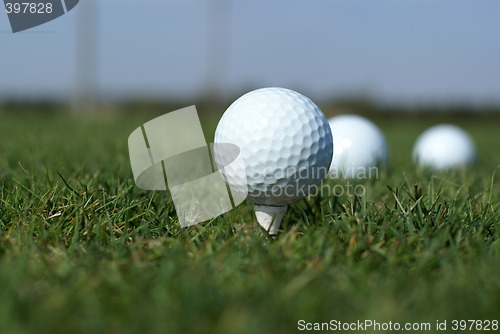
(400, 50)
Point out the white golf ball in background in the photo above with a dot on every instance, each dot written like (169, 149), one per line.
(444, 147)
(359, 147)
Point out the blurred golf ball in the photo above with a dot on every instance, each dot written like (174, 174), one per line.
(444, 147)
(285, 142)
(359, 147)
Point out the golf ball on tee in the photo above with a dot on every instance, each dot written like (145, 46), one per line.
(359, 146)
(285, 142)
(444, 147)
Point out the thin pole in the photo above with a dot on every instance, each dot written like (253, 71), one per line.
(85, 99)
(218, 45)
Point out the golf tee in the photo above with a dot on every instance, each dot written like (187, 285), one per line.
(270, 217)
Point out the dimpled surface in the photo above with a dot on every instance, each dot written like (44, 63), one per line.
(444, 147)
(358, 146)
(285, 142)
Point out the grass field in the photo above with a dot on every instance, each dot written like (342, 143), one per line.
(83, 250)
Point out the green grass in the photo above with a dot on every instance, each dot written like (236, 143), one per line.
(83, 250)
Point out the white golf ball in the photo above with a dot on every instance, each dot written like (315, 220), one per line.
(285, 142)
(444, 147)
(359, 147)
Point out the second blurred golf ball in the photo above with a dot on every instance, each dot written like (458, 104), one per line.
(359, 147)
